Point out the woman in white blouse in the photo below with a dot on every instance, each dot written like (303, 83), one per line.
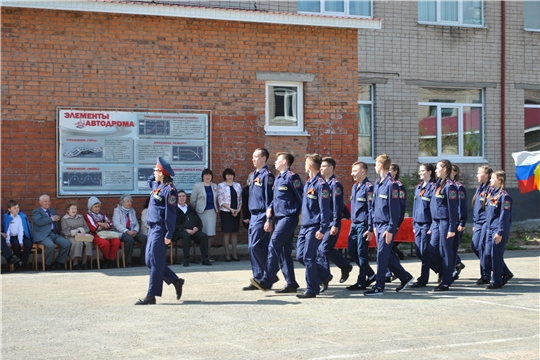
(204, 200)
(230, 204)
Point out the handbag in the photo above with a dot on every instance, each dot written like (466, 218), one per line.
(109, 234)
(84, 238)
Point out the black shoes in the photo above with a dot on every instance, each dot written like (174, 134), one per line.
(178, 284)
(249, 288)
(324, 284)
(375, 291)
(441, 287)
(228, 260)
(460, 267)
(13, 259)
(258, 284)
(186, 263)
(289, 289)
(306, 295)
(482, 281)
(206, 262)
(371, 280)
(58, 266)
(405, 283)
(417, 285)
(493, 287)
(507, 278)
(345, 273)
(147, 300)
(355, 287)
(235, 259)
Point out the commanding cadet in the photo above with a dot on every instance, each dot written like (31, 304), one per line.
(161, 223)
(327, 251)
(261, 194)
(286, 207)
(386, 209)
(315, 222)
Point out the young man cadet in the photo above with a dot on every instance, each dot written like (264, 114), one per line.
(285, 208)
(315, 222)
(361, 228)
(385, 217)
(260, 196)
(326, 248)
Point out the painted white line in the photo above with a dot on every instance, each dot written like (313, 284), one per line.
(510, 306)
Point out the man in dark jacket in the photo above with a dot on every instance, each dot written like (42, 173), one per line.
(188, 228)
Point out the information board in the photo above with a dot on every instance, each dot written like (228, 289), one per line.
(113, 152)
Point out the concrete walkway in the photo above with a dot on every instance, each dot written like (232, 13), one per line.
(90, 315)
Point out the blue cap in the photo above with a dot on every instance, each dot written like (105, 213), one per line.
(164, 167)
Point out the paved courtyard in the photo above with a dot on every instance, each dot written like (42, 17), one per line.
(90, 315)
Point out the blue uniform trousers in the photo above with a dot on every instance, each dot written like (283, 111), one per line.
(358, 249)
(156, 260)
(279, 252)
(443, 258)
(421, 242)
(494, 253)
(306, 253)
(385, 261)
(478, 244)
(457, 242)
(327, 252)
(258, 244)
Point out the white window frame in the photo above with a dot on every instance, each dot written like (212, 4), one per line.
(344, 13)
(530, 106)
(526, 28)
(297, 130)
(460, 157)
(369, 159)
(459, 21)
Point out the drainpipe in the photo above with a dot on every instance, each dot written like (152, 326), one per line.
(503, 84)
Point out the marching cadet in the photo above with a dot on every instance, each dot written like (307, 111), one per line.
(261, 194)
(462, 216)
(479, 200)
(361, 231)
(326, 250)
(161, 223)
(285, 209)
(386, 209)
(444, 213)
(498, 222)
(315, 222)
(422, 220)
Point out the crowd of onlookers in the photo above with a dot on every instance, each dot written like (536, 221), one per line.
(80, 237)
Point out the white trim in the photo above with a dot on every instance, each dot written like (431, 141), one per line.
(298, 129)
(346, 8)
(154, 9)
(532, 30)
(459, 21)
(454, 159)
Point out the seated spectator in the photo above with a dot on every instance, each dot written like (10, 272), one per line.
(6, 253)
(47, 233)
(19, 233)
(125, 222)
(188, 227)
(144, 214)
(73, 224)
(98, 221)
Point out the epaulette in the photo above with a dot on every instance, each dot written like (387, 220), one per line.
(322, 180)
(420, 183)
(504, 192)
(335, 180)
(392, 180)
(458, 183)
(290, 172)
(368, 184)
(450, 182)
(399, 183)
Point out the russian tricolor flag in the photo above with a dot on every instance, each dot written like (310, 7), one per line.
(527, 170)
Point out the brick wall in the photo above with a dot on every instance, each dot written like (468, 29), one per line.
(56, 58)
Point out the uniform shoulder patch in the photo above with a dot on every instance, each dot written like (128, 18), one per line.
(370, 196)
(172, 200)
(507, 204)
(297, 183)
(401, 194)
(338, 191)
(325, 194)
(395, 194)
(462, 195)
(452, 195)
(270, 180)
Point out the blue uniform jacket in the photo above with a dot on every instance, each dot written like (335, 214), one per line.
(462, 207)
(25, 222)
(162, 206)
(337, 204)
(386, 203)
(362, 203)
(287, 194)
(316, 204)
(499, 212)
(261, 191)
(479, 209)
(402, 202)
(444, 203)
(422, 200)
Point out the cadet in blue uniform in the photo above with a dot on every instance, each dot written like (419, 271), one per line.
(285, 208)
(395, 174)
(327, 251)
(444, 213)
(315, 223)
(260, 196)
(161, 222)
(498, 222)
(385, 214)
(479, 200)
(462, 216)
(422, 220)
(361, 231)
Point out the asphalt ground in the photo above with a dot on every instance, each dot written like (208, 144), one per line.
(90, 315)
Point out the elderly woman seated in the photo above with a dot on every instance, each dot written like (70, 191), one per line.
(125, 222)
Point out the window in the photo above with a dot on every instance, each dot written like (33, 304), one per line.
(450, 124)
(365, 121)
(532, 120)
(361, 8)
(284, 108)
(532, 15)
(451, 12)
